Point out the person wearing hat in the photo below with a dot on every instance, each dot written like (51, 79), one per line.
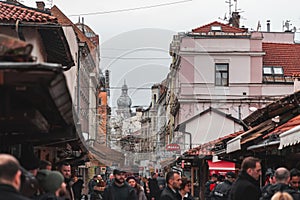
(131, 180)
(52, 185)
(222, 190)
(119, 189)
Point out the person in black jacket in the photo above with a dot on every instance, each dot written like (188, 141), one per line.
(210, 185)
(173, 180)
(246, 186)
(119, 189)
(154, 188)
(10, 178)
(222, 190)
(282, 177)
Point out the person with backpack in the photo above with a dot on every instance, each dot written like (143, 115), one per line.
(222, 190)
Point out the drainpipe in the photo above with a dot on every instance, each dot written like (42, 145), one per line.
(80, 46)
(181, 128)
(190, 135)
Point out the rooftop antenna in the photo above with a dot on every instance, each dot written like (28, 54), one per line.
(235, 6)
(229, 5)
(50, 3)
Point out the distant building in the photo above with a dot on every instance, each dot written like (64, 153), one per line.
(124, 103)
(221, 73)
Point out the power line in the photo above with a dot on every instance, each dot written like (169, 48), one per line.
(136, 58)
(131, 9)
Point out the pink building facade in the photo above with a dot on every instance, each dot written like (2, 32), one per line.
(224, 74)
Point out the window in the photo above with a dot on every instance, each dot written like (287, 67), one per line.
(216, 28)
(221, 78)
(272, 70)
(272, 74)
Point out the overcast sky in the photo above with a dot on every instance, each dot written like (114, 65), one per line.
(135, 34)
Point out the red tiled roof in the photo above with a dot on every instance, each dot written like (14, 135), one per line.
(285, 127)
(225, 28)
(285, 55)
(10, 12)
(205, 149)
(64, 20)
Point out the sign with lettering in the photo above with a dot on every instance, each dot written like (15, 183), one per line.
(173, 147)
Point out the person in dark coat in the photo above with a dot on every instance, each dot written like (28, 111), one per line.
(10, 178)
(246, 186)
(65, 169)
(77, 188)
(52, 185)
(282, 177)
(222, 190)
(154, 188)
(295, 179)
(209, 186)
(173, 180)
(119, 189)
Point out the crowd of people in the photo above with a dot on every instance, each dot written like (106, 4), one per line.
(47, 184)
(280, 184)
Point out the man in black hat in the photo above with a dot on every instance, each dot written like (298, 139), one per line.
(221, 191)
(119, 189)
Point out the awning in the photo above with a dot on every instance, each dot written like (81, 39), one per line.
(107, 156)
(167, 162)
(251, 134)
(220, 167)
(36, 106)
(290, 137)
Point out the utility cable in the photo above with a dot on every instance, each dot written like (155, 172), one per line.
(130, 9)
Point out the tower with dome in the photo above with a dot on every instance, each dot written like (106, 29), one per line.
(124, 103)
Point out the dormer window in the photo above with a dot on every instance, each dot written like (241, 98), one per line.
(273, 70)
(216, 28)
(275, 74)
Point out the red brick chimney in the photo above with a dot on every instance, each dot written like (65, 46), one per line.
(40, 5)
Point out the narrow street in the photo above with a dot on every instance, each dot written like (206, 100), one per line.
(149, 101)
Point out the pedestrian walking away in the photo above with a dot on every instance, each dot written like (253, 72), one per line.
(154, 188)
(209, 186)
(52, 185)
(222, 190)
(10, 178)
(282, 177)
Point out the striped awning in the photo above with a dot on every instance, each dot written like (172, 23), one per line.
(290, 137)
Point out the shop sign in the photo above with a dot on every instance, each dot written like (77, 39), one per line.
(172, 147)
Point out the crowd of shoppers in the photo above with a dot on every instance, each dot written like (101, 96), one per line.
(281, 184)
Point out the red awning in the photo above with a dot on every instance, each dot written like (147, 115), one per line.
(220, 167)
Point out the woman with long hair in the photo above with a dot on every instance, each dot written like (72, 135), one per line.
(137, 187)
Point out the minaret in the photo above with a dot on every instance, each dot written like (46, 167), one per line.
(124, 103)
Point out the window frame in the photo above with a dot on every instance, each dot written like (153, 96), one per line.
(222, 73)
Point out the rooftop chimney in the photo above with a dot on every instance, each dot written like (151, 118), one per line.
(268, 26)
(235, 19)
(40, 5)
